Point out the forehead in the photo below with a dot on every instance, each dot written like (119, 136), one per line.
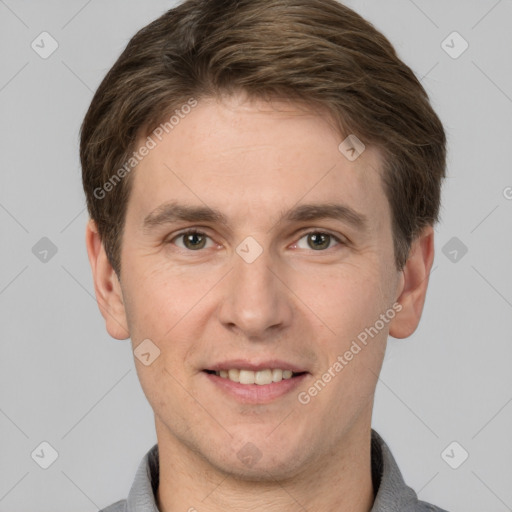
(241, 156)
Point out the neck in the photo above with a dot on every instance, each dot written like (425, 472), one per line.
(340, 480)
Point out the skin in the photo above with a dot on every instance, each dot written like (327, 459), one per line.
(254, 160)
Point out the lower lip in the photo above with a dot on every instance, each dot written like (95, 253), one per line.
(254, 393)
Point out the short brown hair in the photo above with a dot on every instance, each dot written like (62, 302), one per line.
(314, 51)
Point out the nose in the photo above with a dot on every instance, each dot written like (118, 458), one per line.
(257, 301)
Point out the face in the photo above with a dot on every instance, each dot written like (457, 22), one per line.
(253, 243)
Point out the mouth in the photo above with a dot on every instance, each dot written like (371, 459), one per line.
(260, 377)
(255, 384)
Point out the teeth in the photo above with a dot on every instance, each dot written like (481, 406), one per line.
(261, 377)
(277, 375)
(234, 375)
(246, 377)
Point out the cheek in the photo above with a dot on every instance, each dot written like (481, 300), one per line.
(158, 300)
(350, 302)
(171, 309)
(346, 299)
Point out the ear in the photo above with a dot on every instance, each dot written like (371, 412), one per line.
(413, 285)
(106, 285)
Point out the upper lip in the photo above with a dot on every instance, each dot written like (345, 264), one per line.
(244, 364)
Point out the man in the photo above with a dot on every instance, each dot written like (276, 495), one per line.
(262, 177)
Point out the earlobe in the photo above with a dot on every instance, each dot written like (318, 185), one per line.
(413, 285)
(106, 285)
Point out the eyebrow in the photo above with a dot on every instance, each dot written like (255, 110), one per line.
(172, 212)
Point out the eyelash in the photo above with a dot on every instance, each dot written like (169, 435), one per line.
(193, 231)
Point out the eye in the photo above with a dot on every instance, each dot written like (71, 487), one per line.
(318, 241)
(192, 240)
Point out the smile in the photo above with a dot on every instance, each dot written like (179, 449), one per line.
(261, 377)
(255, 387)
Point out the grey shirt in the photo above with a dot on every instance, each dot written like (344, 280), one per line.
(391, 492)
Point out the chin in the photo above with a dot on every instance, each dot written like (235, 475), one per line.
(263, 457)
(263, 470)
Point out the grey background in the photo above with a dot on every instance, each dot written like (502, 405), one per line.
(65, 381)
